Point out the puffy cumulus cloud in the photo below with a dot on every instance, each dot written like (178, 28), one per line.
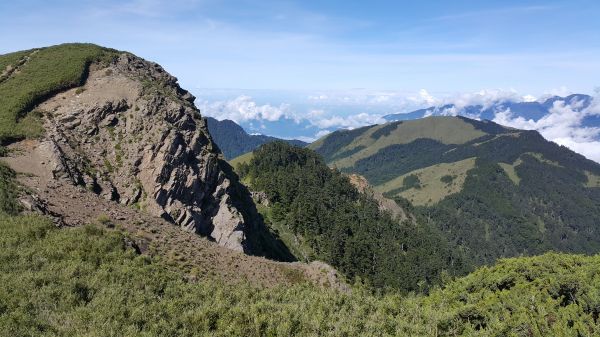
(485, 98)
(317, 135)
(594, 108)
(318, 97)
(244, 108)
(346, 122)
(562, 125)
(427, 98)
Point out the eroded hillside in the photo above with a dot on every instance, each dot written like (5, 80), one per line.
(121, 144)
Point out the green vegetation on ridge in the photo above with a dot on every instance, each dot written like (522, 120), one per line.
(87, 282)
(523, 195)
(436, 182)
(8, 190)
(39, 74)
(367, 141)
(344, 227)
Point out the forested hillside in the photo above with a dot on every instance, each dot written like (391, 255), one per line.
(494, 191)
(343, 227)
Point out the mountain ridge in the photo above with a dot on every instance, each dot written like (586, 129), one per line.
(527, 110)
(122, 128)
(234, 141)
(497, 191)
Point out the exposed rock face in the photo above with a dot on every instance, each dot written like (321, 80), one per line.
(385, 204)
(132, 135)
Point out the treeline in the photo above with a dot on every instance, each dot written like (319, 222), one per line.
(343, 227)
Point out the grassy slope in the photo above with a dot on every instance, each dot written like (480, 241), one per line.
(9, 62)
(511, 172)
(432, 189)
(245, 158)
(294, 242)
(86, 282)
(447, 130)
(44, 72)
(592, 180)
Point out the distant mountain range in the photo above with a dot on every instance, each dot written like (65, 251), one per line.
(527, 110)
(494, 191)
(234, 141)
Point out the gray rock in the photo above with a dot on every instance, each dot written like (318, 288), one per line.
(151, 148)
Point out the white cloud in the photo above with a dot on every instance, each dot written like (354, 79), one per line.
(331, 110)
(562, 125)
(590, 150)
(347, 122)
(322, 133)
(244, 108)
(427, 98)
(306, 139)
(485, 98)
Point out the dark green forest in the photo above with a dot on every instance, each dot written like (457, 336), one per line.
(346, 228)
(549, 209)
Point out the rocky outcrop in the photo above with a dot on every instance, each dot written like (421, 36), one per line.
(133, 136)
(385, 204)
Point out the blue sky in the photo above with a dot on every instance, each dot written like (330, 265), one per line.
(529, 46)
(300, 69)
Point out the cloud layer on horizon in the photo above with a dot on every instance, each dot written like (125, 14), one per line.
(326, 111)
(564, 125)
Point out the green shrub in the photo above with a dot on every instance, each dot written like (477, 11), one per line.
(447, 179)
(411, 181)
(9, 190)
(87, 282)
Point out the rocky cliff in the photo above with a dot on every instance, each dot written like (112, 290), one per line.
(133, 136)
